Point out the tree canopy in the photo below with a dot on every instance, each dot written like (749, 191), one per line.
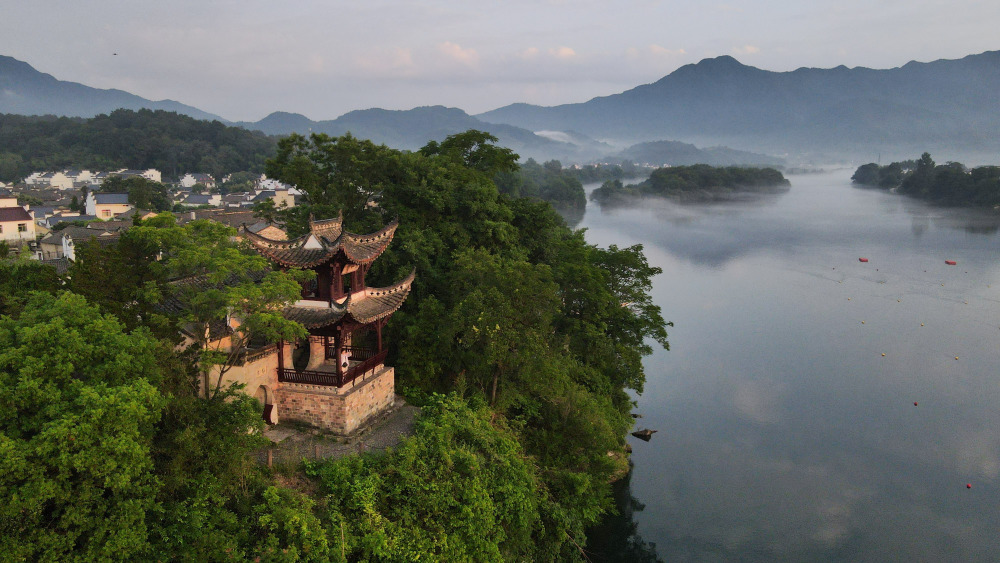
(951, 183)
(520, 340)
(172, 143)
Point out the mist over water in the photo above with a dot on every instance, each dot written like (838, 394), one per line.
(784, 433)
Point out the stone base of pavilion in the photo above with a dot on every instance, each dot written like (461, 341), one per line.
(341, 410)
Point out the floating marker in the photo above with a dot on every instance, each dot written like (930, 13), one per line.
(862, 322)
(950, 262)
(921, 324)
(968, 485)
(914, 403)
(883, 354)
(862, 259)
(956, 357)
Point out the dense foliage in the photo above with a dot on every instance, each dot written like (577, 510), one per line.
(548, 182)
(110, 451)
(699, 182)
(172, 143)
(142, 192)
(462, 489)
(510, 306)
(604, 172)
(948, 184)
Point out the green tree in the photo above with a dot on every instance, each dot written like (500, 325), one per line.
(80, 402)
(21, 276)
(336, 173)
(142, 192)
(224, 295)
(461, 489)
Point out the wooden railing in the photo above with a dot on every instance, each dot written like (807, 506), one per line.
(364, 367)
(355, 353)
(312, 377)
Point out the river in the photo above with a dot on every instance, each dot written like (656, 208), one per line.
(813, 407)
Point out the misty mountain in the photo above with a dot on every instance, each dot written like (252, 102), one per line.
(676, 153)
(941, 105)
(412, 129)
(25, 91)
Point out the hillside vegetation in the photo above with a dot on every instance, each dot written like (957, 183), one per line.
(521, 341)
(172, 143)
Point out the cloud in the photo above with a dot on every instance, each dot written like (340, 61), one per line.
(455, 52)
(386, 62)
(562, 52)
(746, 50)
(529, 53)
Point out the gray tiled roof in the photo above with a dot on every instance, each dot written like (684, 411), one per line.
(110, 199)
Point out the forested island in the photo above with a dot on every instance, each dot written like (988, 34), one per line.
(951, 183)
(696, 183)
(520, 341)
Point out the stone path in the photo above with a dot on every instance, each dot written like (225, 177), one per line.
(293, 443)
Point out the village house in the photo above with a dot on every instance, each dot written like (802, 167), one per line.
(150, 174)
(190, 179)
(63, 243)
(195, 200)
(281, 198)
(16, 222)
(336, 379)
(104, 206)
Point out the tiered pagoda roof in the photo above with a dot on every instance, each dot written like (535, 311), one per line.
(374, 304)
(325, 239)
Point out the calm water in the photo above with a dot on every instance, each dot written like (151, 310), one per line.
(784, 433)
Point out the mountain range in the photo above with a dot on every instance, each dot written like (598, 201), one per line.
(26, 91)
(945, 105)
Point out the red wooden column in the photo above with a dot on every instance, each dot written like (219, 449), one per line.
(281, 356)
(378, 334)
(337, 285)
(326, 347)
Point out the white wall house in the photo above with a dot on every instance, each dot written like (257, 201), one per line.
(192, 178)
(16, 222)
(104, 206)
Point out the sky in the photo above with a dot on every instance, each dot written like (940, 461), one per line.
(243, 59)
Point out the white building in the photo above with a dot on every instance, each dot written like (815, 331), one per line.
(16, 222)
(192, 178)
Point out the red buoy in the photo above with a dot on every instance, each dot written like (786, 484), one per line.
(862, 259)
(950, 262)
(914, 403)
(968, 485)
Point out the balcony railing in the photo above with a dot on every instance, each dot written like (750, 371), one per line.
(313, 377)
(355, 353)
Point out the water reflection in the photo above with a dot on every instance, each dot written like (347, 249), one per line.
(788, 429)
(617, 540)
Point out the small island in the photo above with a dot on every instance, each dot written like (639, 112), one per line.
(951, 183)
(695, 184)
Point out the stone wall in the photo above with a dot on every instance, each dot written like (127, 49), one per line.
(341, 411)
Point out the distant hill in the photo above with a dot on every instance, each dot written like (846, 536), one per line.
(412, 129)
(947, 104)
(676, 153)
(25, 91)
(174, 144)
